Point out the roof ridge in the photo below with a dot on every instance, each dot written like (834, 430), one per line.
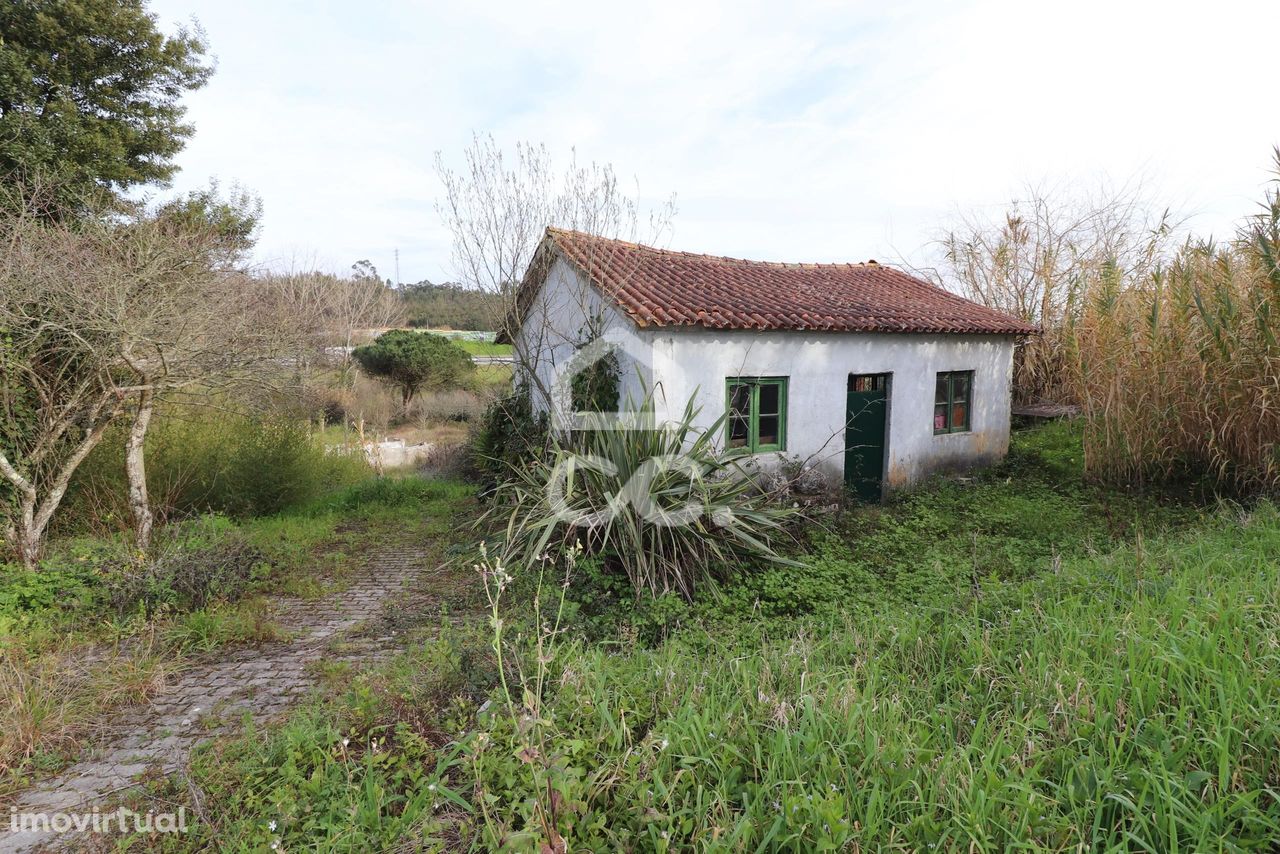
(555, 231)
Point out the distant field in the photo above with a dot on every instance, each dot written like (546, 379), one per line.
(474, 342)
(484, 348)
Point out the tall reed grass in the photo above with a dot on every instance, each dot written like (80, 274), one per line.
(1179, 370)
(1170, 350)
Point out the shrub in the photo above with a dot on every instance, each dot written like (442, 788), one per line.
(231, 464)
(661, 505)
(509, 433)
(193, 567)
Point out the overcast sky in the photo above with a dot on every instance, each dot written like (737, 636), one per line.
(791, 131)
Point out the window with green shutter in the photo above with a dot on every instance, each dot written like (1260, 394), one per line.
(952, 395)
(756, 417)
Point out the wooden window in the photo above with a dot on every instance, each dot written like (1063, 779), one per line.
(756, 417)
(951, 400)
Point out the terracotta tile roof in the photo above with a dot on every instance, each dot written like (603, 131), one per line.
(658, 287)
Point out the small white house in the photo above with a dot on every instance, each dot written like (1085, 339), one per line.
(866, 373)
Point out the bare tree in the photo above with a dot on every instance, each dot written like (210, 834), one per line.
(498, 208)
(63, 378)
(328, 313)
(186, 322)
(1032, 259)
(107, 315)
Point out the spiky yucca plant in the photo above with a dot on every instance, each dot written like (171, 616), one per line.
(663, 504)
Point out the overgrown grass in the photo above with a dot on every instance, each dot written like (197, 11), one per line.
(99, 626)
(931, 547)
(1121, 702)
(1105, 679)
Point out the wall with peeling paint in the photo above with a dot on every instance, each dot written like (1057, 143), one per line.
(695, 362)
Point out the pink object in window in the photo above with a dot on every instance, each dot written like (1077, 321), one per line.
(939, 421)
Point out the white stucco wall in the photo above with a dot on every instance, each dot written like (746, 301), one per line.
(693, 362)
(553, 328)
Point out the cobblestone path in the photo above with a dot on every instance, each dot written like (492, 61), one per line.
(214, 695)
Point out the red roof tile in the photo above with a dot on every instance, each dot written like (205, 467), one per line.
(658, 287)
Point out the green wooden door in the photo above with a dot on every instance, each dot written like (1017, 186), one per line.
(865, 408)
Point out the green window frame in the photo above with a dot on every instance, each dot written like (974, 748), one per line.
(755, 413)
(952, 402)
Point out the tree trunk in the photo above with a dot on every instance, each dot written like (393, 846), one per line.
(27, 532)
(23, 537)
(136, 469)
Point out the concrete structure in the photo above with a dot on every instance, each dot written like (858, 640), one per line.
(904, 380)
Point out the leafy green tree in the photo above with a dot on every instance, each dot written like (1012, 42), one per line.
(90, 93)
(412, 361)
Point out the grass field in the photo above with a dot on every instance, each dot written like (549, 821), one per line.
(92, 600)
(1025, 662)
(485, 348)
(475, 343)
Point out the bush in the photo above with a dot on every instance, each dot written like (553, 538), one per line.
(188, 573)
(231, 464)
(509, 434)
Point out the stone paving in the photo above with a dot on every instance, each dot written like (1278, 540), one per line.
(215, 695)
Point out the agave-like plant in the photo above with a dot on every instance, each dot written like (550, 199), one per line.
(659, 502)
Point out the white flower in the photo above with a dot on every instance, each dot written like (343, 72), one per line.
(271, 825)
(345, 742)
(431, 788)
(664, 744)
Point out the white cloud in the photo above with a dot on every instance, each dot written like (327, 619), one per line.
(816, 131)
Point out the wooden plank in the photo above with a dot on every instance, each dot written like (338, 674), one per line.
(1046, 410)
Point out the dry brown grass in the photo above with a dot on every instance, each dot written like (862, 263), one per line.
(1171, 352)
(50, 702)
(1179, 373)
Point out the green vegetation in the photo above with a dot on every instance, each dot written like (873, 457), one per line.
(89, 93)
(205, 583)
(412, 361)
(1023, 660)
(201, 461)
(483, 348)
(626, 496)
